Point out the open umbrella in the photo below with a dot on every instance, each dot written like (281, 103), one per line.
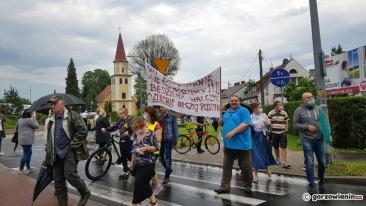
(45, 176)
(42, 104)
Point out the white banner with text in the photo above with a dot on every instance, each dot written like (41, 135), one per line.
(197, 98)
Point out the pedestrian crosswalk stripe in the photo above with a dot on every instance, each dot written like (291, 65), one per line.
(258, 188)
(230, 197)
(116, 195)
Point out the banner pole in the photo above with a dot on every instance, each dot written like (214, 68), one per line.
(220, 95)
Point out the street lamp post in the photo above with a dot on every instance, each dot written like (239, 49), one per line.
(140, 83)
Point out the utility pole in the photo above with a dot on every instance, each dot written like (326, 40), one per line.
(261, 76)
(318, 57)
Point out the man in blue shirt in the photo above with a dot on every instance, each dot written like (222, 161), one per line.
(237, 144)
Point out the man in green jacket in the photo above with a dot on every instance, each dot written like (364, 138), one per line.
(65, 136)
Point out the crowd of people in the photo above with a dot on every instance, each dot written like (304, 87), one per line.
(248, 136)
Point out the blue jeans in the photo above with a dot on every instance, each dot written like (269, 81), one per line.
(309, 149)
(166, 156)
(26, 158)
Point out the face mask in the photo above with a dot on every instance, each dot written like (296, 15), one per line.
(144, 116)
(260, 110)
(311, 103)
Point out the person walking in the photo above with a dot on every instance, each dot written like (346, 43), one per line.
(26, 132)
(200, 122)
(169, 123)
(152, 123)
(278, 119)
(143, 161)
(2, 130)
(101, 138)
(261, 156)
(307, 122)
(84, 115)
(125, 144)
(65, 138)
(237, 144)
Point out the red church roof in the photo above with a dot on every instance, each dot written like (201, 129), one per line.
(120, 51)
(102, 95)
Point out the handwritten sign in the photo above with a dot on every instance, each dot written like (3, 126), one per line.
(198, 98)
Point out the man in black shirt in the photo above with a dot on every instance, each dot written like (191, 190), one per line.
(200, 122)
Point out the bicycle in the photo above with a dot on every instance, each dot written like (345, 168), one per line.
(186, 142)
(99, 162)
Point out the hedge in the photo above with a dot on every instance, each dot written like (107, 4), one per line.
(347, 117)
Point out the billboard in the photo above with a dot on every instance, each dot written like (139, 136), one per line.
(346, 72)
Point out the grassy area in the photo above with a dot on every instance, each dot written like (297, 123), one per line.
(183, 130)
(347, 168)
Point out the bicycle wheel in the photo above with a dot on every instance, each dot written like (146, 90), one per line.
(183, 144)
(212, 144)
(98, 163)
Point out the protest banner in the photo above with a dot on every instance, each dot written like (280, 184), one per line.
(200, 97)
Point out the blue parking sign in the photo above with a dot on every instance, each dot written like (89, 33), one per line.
(280, 77)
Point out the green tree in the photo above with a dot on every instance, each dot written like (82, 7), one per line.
(93, 83)
(25, 101)
(71, 80)
(13, 100)
(294, 92)
(140, 91)
(155, 46)
(108, 108)
(335, 51)
(250, 85)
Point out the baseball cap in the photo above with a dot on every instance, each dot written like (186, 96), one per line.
(55, 98)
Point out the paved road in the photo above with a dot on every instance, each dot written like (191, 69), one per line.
(193, 184)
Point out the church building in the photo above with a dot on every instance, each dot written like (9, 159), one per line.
(118, 94)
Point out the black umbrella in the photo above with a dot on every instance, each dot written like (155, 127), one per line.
(227, 106)
(45, 176)
(42, 104)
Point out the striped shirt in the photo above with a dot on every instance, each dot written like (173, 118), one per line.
(278, 121)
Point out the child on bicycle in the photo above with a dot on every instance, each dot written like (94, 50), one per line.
(200, 122)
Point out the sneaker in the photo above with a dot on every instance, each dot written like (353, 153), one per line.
(286, 165)
(31, 169)
(124, 176)
(200, 151)
(23, 172)
(311, 189)
(166, 180)
(321, 184)
(278, 161)
(157, 189)
(2, 153)
(248, 189)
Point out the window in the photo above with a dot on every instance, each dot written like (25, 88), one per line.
(293, 71)
(120, 80)
(126, 81)
(123, 95)
(123, 70)
(293, 80)
(277, 90)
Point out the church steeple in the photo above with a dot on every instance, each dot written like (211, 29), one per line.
(120, 51)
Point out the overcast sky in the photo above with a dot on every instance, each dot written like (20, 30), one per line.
(38, 38)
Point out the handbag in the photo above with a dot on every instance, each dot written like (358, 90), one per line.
(15, 136)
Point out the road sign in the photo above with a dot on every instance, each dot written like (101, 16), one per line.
(280, 77)
(162, 64)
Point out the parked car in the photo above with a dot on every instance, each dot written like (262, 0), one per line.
(90, 121)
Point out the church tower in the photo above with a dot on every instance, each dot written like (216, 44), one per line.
(121, 81)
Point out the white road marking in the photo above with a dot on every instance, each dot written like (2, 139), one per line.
(116, 195)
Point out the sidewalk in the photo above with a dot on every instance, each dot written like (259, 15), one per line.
(17, 190)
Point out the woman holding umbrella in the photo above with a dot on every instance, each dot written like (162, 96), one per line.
(26, 132)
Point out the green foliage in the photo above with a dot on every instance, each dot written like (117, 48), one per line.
(108, 107)
(11, 121)
(250, 85)
(13, 100)
(114, 116)
(71, 80)
(93, 83)
(347, 118)
(334, 51)
(347, 168)
(155, 46)
(41, 118)
(294, 92)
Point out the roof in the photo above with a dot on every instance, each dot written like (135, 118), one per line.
(103, 94)
(232, 90)
(251, 93)
(120, 51)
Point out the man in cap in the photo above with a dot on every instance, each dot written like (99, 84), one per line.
(65, 139)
